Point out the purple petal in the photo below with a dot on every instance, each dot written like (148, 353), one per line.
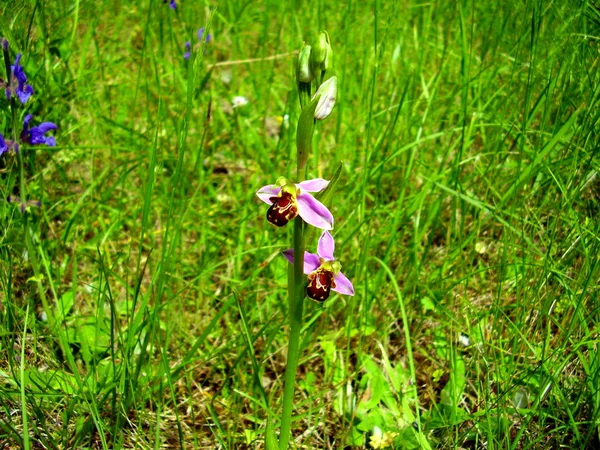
(200, 33)
(172, 4)
(3, 146)
(25, 93)
(50, 141)
(266, 192)
(44, 127)
(343, 285)
(311, 261)
(26, 121)
(326, 246)
(315, 185)
(314, 212)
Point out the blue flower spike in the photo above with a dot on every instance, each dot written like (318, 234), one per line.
(17, 85)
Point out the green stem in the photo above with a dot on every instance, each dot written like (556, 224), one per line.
(296, 309)
(22, 188)
(304, 94)
(24, 425)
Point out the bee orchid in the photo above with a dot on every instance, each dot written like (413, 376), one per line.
(288, 200)
(324, 272)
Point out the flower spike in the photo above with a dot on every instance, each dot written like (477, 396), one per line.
(17, 85)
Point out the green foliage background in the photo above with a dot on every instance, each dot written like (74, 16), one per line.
(469, 194)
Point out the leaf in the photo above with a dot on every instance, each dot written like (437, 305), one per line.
(309, 382)
(427, 304)
(356, 438)
(271, 442)
(64, 305)
(304, 133)
(452, 393)
(51, 380)
(325, 197)
(91, 335)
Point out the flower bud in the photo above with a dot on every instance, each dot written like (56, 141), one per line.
(326, 96)
(321, 54)
(304, 74)
(327, 63)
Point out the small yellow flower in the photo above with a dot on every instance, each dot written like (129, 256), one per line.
(381, 439)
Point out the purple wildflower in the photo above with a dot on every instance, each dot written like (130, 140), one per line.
(289, 200)
(208, 37)
(4, 42)
(172, 4)
(188, 48)
(23, 205)
(5, 146)
(17, 85)
(324, 272)
(36, 135)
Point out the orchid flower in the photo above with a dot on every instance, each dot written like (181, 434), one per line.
(324, 272)
(36, 135)
(17, 84)
(289, 200)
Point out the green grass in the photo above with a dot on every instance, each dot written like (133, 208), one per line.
(467, 204)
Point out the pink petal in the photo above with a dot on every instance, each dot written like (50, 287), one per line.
(326, 246)
(314, 212)
(266, 192)
(311, 261)
(314, 185)
(343, 285)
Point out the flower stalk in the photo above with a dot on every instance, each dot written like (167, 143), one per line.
(290, 201)
(296, 303)
(16, 88)
(306, 128)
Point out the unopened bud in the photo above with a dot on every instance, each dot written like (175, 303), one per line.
(321, 53)
(326, 96)
(304, 74)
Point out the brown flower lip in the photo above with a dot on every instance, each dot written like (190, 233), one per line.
(319, 284)
(282, 210)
